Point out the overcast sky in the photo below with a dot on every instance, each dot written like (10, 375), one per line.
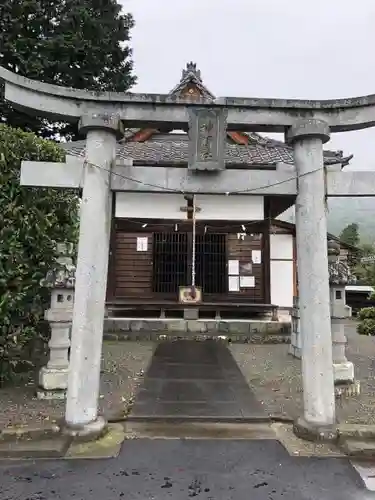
(314, 49)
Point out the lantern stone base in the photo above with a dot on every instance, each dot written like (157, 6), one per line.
(343, 372)
(295, 351)
(347, 389)
(51, 395)
(53, 379)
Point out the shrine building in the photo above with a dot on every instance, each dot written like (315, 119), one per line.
(242, 256)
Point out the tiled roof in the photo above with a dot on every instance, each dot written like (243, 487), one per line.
(173, 149)
(192, 75)
(169, 149)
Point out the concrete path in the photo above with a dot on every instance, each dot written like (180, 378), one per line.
(182, 469)
(195, 380)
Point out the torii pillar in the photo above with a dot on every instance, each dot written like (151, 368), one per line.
(318, 421)
(81, 416)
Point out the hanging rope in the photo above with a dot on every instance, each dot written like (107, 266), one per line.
(193, 291)
(191, 215)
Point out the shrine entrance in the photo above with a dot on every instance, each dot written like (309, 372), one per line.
(172, 262)
(209, 169)
(211, 263)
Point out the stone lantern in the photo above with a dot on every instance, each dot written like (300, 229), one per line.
(339, 277)
(295, 346)
(53, 378)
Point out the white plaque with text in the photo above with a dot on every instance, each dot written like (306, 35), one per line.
(142, 244)
(233, 267)
(233, 284)
(256, 256)
(247, 282)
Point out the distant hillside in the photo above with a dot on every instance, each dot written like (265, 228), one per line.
(344, 211)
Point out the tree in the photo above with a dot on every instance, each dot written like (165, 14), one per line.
(32, 220)
(364, 270)
(75, 43)
(365, 273)
(350, 235)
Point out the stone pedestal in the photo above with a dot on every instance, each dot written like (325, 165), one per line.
(307, 137)
(295, 347)
(339, 277)
(191, 313)
(53, 378)
(343, 370)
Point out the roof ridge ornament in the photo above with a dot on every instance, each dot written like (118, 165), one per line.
(191, 68)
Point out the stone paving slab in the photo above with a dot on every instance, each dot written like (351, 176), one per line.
(357, 431)
(366, 471)
(300, 448)
(109, 446)
(253, 331)
(199, 430)
(60, 446)
(361, 449)
(27, 432)
(195, 390)
(44, 448)
(195, 380)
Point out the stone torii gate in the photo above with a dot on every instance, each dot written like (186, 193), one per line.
(101, 116)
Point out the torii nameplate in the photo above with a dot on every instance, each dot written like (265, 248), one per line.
(207, 138)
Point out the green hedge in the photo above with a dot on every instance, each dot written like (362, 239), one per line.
(32, 220)
(366, 318)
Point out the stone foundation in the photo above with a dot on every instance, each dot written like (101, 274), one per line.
(310, 432)
(294, 350)
(50, 395)
(257, 332)
(284, 314)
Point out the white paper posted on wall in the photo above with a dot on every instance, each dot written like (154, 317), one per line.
(233, 284)
(247, 281)
(233, 267)
(142, 244)
(256, 256)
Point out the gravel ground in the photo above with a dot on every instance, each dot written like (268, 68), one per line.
(273, 374)
(361, 351)
(122, 366)
(275, 377)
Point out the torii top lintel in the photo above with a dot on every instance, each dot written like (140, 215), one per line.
(140, 110)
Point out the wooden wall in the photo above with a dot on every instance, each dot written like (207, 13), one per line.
(241, 250)
(130, 272)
